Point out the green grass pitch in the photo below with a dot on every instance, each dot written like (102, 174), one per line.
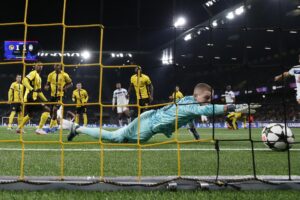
(197, 159)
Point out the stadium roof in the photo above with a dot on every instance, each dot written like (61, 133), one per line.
(267, 33)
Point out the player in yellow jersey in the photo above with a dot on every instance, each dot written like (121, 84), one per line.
(143, 88)
(176, 95)
(15, 98)
(231, 118)
(33, 94)
(80, 96)
(58, 82)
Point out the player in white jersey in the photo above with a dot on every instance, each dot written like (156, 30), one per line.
(204, 119)
(294, 71)
(64, 123)
(120, 97)
(229, 95)
(231, 118)
(69, 117)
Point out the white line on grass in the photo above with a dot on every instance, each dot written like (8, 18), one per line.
(145, 149)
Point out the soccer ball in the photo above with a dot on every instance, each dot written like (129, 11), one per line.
(277, 137)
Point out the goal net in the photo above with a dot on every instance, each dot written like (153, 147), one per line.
(221, 159)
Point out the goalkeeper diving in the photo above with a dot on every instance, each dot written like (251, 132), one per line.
(163, 120)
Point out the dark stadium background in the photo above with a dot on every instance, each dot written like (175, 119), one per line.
(245, 52)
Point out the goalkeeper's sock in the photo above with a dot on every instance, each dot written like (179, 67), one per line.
(85, 120)
(113, 136)
(94, 132)
(43, 119)
(25, 120)
(195, 133)
(11, 118)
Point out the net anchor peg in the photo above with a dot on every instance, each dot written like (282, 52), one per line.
(203, 186)
(172, 186)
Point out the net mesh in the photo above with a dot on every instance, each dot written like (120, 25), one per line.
(138, 146)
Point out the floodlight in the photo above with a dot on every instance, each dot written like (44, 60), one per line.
(181, 21)
(188, 37)
(230, 15)
(214, 23)
(239, 10)
(85, 55)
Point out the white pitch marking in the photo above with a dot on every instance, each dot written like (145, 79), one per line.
(145, 149)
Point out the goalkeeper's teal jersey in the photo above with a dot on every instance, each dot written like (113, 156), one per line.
(164, 119)
(157, 121)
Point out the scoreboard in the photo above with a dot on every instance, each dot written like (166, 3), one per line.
(13, 50)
